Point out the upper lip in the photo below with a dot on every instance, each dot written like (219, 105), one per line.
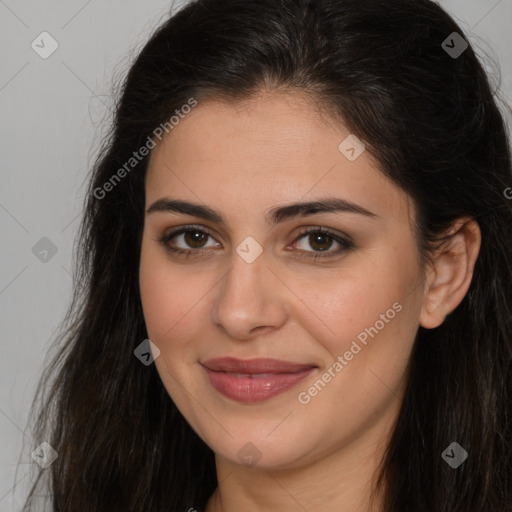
(253, 366)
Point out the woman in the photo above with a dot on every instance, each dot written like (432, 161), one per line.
(295, 274)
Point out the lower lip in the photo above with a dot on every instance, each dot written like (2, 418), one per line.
(256, 388)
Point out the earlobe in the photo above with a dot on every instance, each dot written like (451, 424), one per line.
(451, 272)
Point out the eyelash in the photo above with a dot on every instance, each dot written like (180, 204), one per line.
(345, 244)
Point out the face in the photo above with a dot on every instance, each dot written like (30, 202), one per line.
(334, 293)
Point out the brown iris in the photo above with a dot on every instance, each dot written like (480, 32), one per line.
(321, 240)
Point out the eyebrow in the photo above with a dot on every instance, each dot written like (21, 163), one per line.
(274, 216)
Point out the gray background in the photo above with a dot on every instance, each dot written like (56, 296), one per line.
(52, 112)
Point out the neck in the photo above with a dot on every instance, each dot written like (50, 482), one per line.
(340, 481)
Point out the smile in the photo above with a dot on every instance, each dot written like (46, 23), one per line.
(254, 380)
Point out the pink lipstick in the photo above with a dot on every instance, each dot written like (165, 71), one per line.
(254, 380)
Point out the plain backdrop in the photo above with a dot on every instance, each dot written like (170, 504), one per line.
(53, 114)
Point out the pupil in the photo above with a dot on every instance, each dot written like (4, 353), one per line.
(320, 239)
(194, 237)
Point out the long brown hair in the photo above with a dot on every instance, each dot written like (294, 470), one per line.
(432, 121)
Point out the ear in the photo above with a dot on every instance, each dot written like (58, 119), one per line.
(450, 273)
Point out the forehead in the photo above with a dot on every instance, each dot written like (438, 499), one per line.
(274, 148)
(271, 121)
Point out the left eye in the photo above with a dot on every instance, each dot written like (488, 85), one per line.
(322, 240)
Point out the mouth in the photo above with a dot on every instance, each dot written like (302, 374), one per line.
(254, 380)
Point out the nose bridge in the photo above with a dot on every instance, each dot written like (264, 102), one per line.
(248, 297)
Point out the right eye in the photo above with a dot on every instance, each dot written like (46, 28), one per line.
(192, 239)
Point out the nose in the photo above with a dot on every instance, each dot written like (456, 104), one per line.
(251, 300)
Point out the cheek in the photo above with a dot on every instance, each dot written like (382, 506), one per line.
(176, 302)
(343, 306)
(365, 321)
(166, 296)
(372, 324)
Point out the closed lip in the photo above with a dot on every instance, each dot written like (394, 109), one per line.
(254, 366)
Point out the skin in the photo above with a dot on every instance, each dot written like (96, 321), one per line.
(243, 159)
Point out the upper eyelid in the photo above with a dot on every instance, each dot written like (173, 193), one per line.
(183, 229)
